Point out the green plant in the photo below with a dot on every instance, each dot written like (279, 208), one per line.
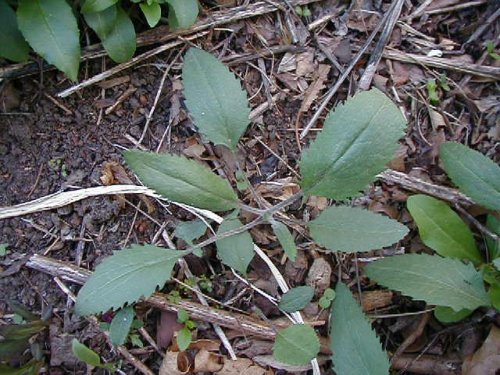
(339, 164)
(490, 48)
(184, 336)
(50, 27)
(87, 355)
(433, 86)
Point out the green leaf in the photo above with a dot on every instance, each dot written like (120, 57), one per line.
(448, 315)
(475, 174)
(120, 325)
(494, 293)
(182, 180)
(12, 44)
(136, 341)
(125, 277)
(296, 298)
(84, 354)
(214, 98)
(352, 229)
(285, 238)
(182, 316)
(182, 13)
(152, 12)
(433, 279)
(91, 6)
(355, 346)
(442, 229)
(3, 249)
(493, 224)
(189, 231)
(496, 262)
(296, 345)
(50, 28)
(120, 43)
(432, 91)
(184, 339)
(102, 22)
(357, 141)
(235, 251)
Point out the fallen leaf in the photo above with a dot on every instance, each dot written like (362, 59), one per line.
(175, 363)
(319, 276)
(486, 360)
(205, 361)
(166, 327)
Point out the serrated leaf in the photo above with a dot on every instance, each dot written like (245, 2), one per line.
(285, 238)
(182, 180)
(442, 229)
(357, 141)
(12, 44)
(152, 12)
(184, 339)
(448, 315)
(475, 174)
(119, 42)
(353, 229)
(102, 22)
(296, 298)
(125, 277)
(355, 346)
(214, 98)
(50, 28)
(182, 13)
(235, 251)
(120, 325)
(296, 345)
(493, 224)
(433, 279)
(91, 6)
(84, 354)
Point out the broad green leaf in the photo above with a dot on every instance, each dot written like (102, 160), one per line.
(92, 6)
(102, 22)
(296, 345)
(285, 238)
(182, 316)
(120, 325)
(493, 224)
(296, 298)
(182, 13)
(125, 277)
(84, 354)
(214, 98)
(120, 41)
(50, 28)
(355, 346)
(357, 141)
(442, 229)
(433, 279)
(475, 174)
(352, 229)
(12, 44)
(152, 12)
(448, 315)
(494, 293)
(189, 231)
(235, 251)
(184, 339)
(182, 180)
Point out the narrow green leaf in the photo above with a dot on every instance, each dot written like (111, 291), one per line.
(184, 339)
(355, 346)
(3, 249)
(120, 325)
(433, 279)
(285, 238)
(125, 277)
(182, 13)
(91, 6)
(357, 141)
(352, 229)
(493, 224)
(494, 293)
(50, 28)
(442, 229)
(214, 98)
(12, 44)
(119, 42)
(84, 354)
(152, 12)
(296, 298)
(448, 315)
(102, 22)
(182, 180)
(235, 251)
(296, 345)
(475, 174)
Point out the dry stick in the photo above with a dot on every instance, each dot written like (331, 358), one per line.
(162, 34)
(413, 336)
(428, 365)
(342, 78)
(456, 7)
(366, 79)
(480, 30)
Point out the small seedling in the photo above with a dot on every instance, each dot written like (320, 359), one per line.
(88, 356)
(184, 336)
(327, 298)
